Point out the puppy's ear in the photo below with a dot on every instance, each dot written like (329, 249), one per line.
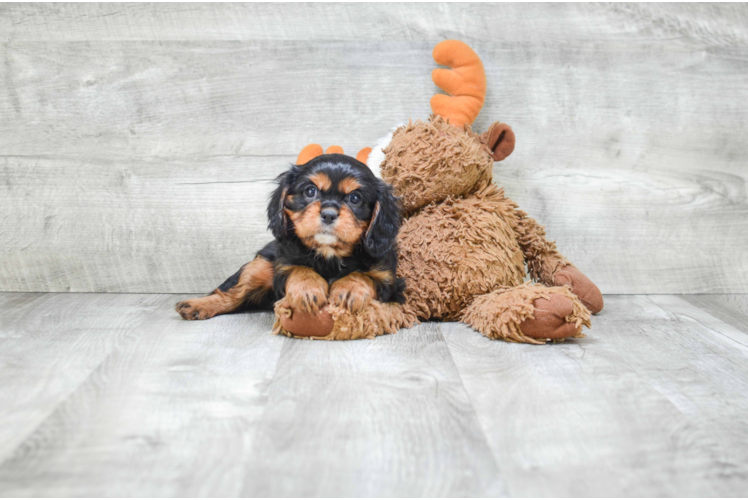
(277, 218)
(385, 222)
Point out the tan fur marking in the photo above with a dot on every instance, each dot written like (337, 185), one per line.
(255, 280)
(381, 275)
(306, 223)
(283, 269)
(321, 180)
(348, 229)
(305, 289)
(353, 292)
(348, 185)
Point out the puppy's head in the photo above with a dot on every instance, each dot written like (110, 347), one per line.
(332, 203)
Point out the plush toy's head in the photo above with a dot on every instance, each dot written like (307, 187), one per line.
(428, 161)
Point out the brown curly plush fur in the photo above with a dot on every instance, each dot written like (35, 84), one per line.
(429, 161)
(498, 314)
(464, 248)
(377, 318)
(456, 250)
(541, 255)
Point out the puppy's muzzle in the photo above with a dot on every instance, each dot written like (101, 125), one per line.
(328, 216)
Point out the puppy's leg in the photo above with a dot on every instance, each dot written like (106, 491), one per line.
(353, 292)
(305, 289)
(389, 287)
(250, 285)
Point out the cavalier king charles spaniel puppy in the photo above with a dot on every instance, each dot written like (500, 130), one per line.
(335, 226)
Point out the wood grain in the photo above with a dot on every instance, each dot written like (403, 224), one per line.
(630, 133)
(50, 344)
(383, 417)
(713, 23)
(114, 395)
(732, 309)
(650, 403)
(149, 225)
(170, 413)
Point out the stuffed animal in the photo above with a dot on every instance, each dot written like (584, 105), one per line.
(464, 248)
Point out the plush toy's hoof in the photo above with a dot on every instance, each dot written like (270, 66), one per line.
(581, 286)
(336, 323)
(303, 324)
(550, 319)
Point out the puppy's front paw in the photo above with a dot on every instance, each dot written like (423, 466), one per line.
(193, 309)
(307, 293)
(354, 292)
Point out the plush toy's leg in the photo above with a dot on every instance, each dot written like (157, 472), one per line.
(549, 267)
(376, 318)
(530, 313)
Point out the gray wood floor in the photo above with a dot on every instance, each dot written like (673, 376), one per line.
(113, 395)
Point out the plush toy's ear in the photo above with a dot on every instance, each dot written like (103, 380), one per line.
(385, 222)
(277, 219)
(499, 139)
(465, 83)
(309, 152)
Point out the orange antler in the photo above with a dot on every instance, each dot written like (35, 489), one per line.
(363, 155)
(465, 83)
(309, 152)
(334, 149)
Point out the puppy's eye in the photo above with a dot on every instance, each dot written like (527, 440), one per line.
(310, 192)
(354, 199)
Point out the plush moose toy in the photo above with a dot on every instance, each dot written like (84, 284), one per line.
(464, 247)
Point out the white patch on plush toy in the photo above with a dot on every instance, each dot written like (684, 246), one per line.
(376, 157)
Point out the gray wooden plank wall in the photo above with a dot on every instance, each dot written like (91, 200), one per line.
(138, 142)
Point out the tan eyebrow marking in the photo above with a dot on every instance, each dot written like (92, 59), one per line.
(348, 185)
(321, 180)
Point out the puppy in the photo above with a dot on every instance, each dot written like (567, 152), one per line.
(335, 226)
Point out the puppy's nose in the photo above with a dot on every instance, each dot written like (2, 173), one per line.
(329, 215)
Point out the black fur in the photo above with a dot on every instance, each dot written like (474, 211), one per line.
(380, 239)
(232, 281)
